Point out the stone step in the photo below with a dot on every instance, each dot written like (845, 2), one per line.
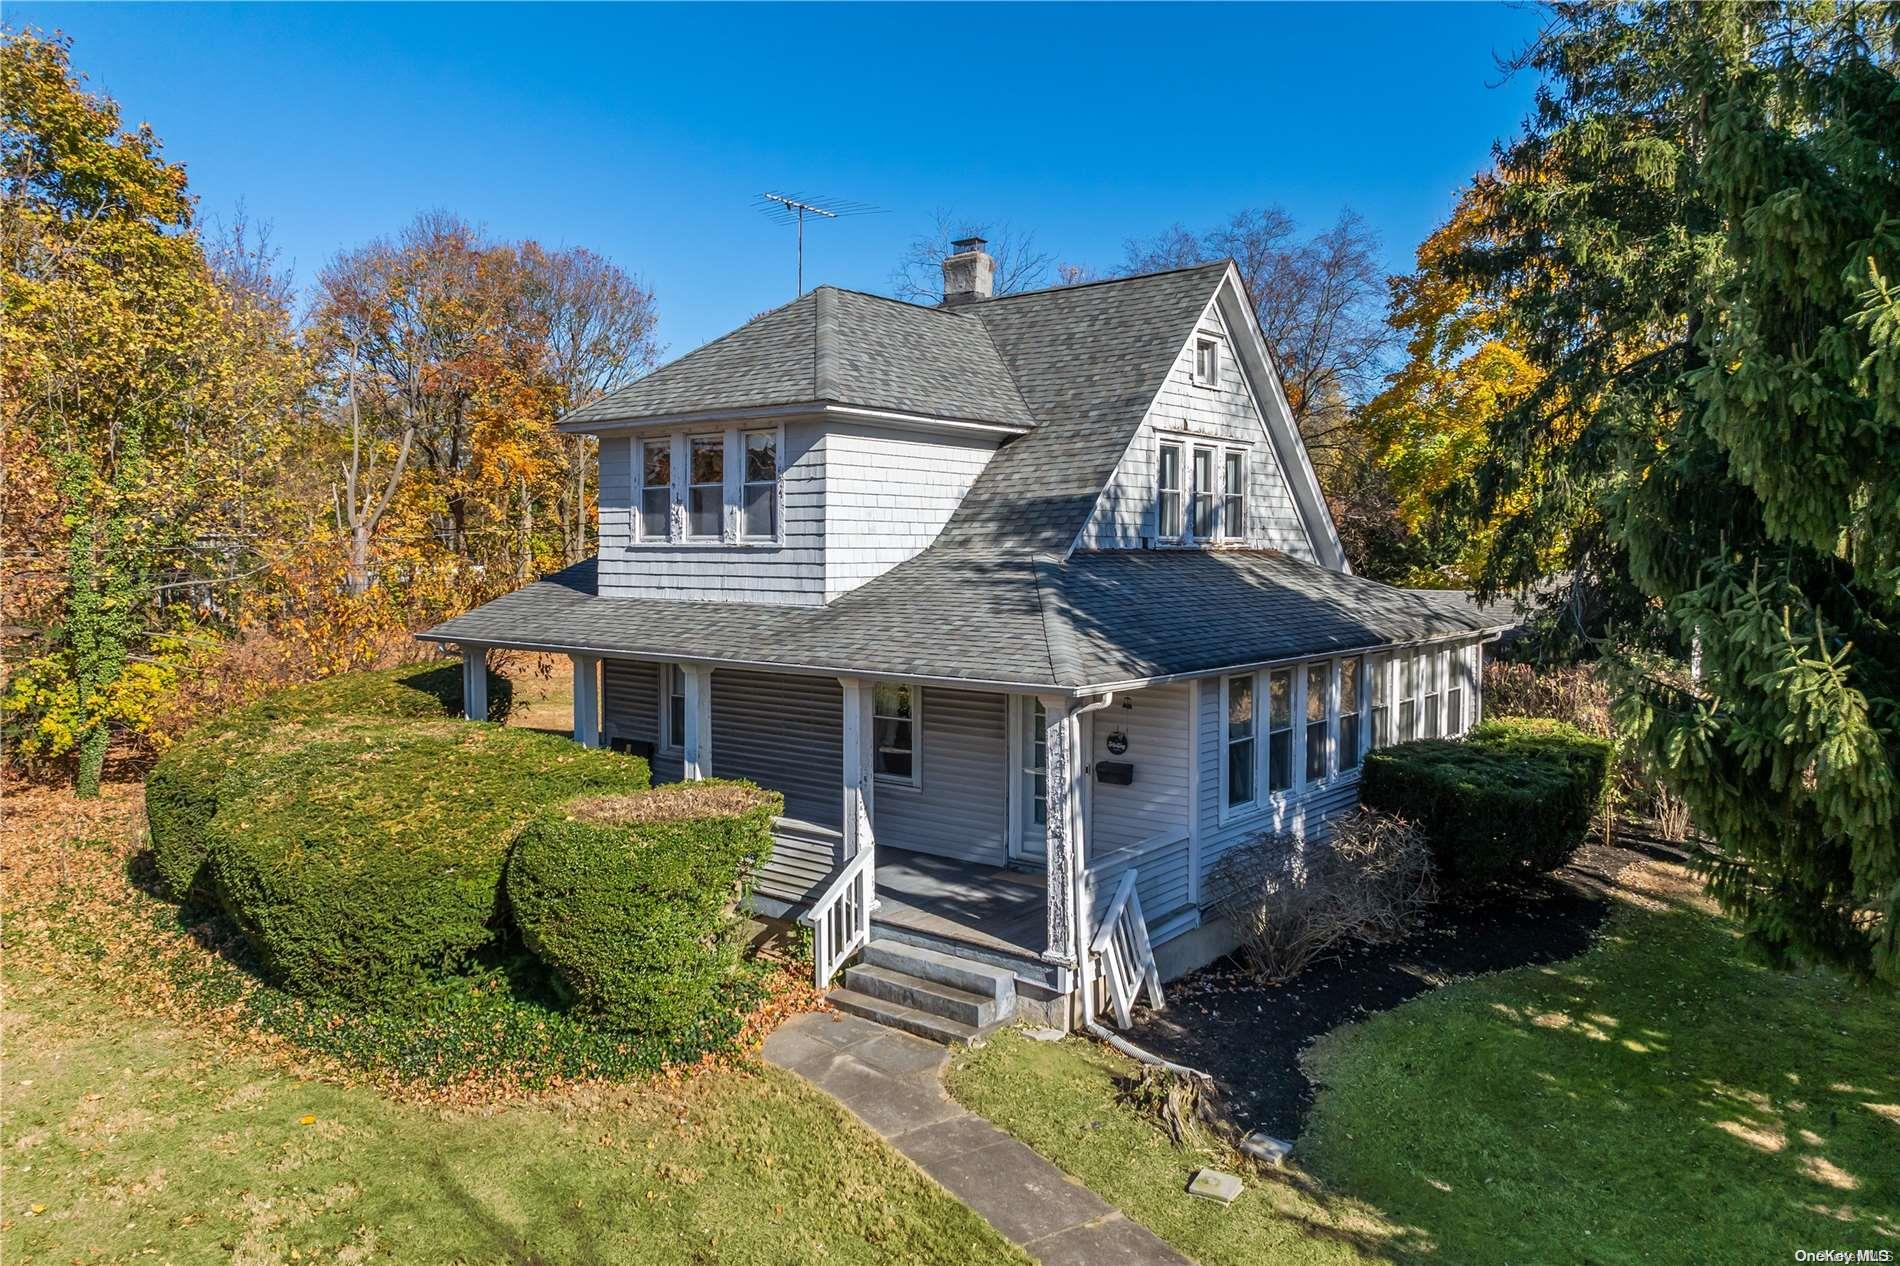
(946, 969)
(975, 1009)
(898, 1016)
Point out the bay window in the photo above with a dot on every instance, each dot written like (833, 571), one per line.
(1349, 708)
(1318, 731)
(1241, 748)
(1168, 492)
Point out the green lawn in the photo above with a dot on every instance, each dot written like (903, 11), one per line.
(1658, 1099)
(142, 1123)
(128, 1138)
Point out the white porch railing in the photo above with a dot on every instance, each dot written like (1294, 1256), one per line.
(1121, 947)
(840, 919)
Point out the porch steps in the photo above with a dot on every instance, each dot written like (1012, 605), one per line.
(931, 994)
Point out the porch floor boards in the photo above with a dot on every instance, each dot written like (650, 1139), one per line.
(989, 906)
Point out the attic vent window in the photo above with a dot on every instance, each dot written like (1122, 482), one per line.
(1207, 362)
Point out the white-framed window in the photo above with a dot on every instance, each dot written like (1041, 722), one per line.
(1408, 696)
(759, 505)
(1434, 698)
(894, 725)
(1351, 710)
(1379, 700)
(673, 710)
(1241, 739)
(1280, 729)
(1206, 496)
(1206, 361)
(706, 488)
(656, 488)
(1036, 763)
(1168, 524)
(1319, 744)
(1234, 494)
(1456, 690)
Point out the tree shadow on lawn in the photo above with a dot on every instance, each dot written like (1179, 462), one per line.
(1661, 1097)
(1248, 1036)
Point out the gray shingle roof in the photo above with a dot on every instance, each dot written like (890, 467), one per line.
(995, 618)
(994, 600)
(1089, 360)
(832, 346)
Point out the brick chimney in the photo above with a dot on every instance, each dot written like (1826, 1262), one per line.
(969, 274)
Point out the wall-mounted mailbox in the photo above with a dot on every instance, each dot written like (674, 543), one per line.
(1116, 773)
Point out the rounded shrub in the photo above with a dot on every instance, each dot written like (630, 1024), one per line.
(182, 791)
(631, 902)
(365, 859)
(1515, 798)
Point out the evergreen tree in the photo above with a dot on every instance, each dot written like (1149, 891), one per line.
(1698, 238)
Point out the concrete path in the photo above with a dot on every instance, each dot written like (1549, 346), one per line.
(893, 1082)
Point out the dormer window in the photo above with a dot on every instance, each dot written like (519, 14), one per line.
(1206, 496)
(1234, 498)
(1206, 362)
(1168, 492)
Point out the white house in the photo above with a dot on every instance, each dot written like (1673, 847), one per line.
(1030, 606)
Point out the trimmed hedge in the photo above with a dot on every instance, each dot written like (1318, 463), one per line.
(631, 900)
(367, 858)
(182, 791)
(1514, 799)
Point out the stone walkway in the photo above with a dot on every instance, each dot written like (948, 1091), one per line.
(893, 1082)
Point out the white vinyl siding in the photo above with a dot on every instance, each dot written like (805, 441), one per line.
(962, 809)
(1154, 725)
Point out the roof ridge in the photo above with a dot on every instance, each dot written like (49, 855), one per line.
(1065, 652)
(1221, 263)
(824, 357)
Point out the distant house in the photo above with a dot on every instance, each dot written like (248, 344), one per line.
(1029, 605)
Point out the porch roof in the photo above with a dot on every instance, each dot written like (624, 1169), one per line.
(999, 619)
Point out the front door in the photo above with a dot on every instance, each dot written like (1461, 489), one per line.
(1030, 751)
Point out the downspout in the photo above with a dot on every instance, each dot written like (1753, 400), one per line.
(1083, 932)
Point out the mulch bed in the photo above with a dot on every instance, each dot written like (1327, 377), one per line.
(1248, 1036)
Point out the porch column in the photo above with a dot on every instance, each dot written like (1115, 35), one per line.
(474, 682)
(1063, 830)
(858, 782)
(586, 699)
(696, 743)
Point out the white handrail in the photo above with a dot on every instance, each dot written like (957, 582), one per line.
(840, 919)
(1128, 960)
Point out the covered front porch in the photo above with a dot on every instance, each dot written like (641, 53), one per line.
(988, 824)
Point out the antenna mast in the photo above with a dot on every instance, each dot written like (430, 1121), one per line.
(794, 206)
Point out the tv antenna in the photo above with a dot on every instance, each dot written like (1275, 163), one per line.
(794, 207)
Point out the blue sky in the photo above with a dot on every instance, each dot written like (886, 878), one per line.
(645, 132)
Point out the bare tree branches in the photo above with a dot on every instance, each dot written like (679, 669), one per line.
(1320, 301)
(1020, 265)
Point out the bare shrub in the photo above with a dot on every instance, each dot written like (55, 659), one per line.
(1291, 901)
